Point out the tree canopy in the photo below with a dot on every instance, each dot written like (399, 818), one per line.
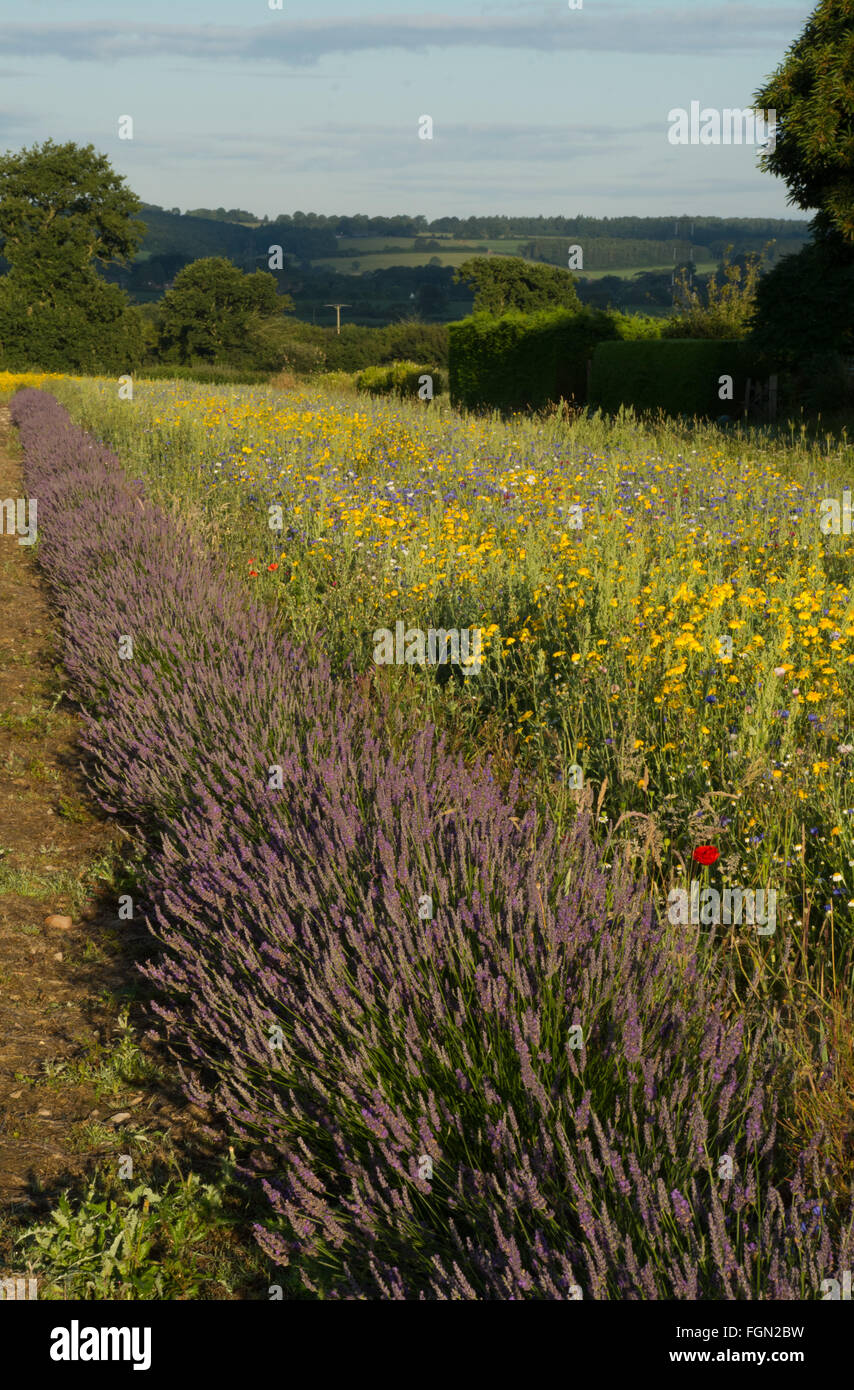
(68, 194)
(805, 305)
(812, 93)
(62, 207)
(729, 304)
(502, 283)
(213, 312)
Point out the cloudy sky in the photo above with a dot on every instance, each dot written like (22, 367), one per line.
(536, 107)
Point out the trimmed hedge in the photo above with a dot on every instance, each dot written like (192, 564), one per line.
(527, 361)
(399, 379)
(678, 375)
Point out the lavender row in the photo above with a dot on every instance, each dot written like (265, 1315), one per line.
(465, 1060)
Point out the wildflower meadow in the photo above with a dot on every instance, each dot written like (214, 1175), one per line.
(525, 981)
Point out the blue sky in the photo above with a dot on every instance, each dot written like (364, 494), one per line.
(536, 108)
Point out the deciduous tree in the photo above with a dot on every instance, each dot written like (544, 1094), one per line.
(502, 283)
(62, 209)
(214, 310)
(812, 93)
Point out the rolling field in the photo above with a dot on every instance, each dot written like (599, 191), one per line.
(663, 711)
(387, 260)
(701, 268)
(506, 246)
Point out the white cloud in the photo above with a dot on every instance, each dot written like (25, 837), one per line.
(601, 27)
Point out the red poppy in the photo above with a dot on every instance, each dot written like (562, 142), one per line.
(705, 854)
(274, 566)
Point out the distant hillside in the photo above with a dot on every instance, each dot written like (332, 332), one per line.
(194, 237)
(384, 268)
(704, 230)
(319, 234)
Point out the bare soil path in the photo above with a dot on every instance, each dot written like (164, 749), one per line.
(48, 843)
(61, 990)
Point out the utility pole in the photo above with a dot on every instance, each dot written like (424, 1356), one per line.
(338, 308)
